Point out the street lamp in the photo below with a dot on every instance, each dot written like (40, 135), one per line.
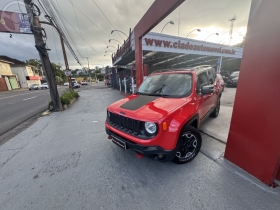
(118, 31)
(224, 39)
(171, 22)
(112, 46)
(115, 40)
(198, 30)
(211, 35)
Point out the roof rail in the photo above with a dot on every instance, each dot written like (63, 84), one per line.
(169, 70)
(202, 66)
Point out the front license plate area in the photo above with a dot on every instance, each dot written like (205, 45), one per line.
(119, 142)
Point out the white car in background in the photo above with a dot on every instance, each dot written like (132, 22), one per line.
(84, 83)
(66, 84)
(44, 86)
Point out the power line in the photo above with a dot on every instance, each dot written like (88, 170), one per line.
(90, 20)
(48, 7)
(78, 26)
(82, 37)
(56, 47)
(106, 17)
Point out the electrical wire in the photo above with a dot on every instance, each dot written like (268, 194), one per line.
(56, 47)
(106, 17)
(82, 37)
(89, 19)
(79, 27)
(65, 33)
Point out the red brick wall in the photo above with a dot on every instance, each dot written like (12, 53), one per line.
(3, 86)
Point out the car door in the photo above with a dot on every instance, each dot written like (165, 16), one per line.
(202, 80)
(214, 96)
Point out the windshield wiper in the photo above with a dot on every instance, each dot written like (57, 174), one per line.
(160, 89)
(151, 94)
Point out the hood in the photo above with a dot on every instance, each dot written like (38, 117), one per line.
(146, 108)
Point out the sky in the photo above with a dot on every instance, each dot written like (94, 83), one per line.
(92, 30)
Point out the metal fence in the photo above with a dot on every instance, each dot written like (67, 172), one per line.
(123, 80)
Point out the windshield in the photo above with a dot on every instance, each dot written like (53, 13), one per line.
(168, 85)
(235, 74)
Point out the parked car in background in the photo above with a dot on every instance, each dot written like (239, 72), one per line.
(232, 82)
(76, 85)
(34, 87)
(226, 75)
(66, 84)
(84, 83)
(221, 81)
(44, 86)
(107, 82)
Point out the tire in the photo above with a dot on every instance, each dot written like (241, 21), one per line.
(189, 145)
(216, 111)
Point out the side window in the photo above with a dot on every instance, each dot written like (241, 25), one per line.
(211, 77)
(201, 81)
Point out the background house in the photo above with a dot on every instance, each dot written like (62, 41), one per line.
(8, 80)
(27, 74)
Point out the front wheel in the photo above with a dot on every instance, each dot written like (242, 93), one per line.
(189, 145)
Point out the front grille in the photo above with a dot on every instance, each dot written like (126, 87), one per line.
(124, 123)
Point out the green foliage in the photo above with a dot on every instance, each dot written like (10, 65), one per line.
(34, 62)
(58, 80)
(65, 100)
(67, 96)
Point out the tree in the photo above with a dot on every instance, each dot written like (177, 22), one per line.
(34, 62)
(58, 72)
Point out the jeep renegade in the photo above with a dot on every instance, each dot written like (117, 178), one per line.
(162, 118)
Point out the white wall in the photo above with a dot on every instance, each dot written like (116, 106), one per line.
(20, 71)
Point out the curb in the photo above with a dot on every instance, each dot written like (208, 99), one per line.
(219, 140)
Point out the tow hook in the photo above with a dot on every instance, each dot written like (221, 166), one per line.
(139, 155)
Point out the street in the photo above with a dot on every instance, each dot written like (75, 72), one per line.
(18, 106)
(74, 166)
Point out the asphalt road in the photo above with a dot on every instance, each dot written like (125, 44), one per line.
(65, 161)
(18, 106)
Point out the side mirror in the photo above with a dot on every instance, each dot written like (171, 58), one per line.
(208, 89)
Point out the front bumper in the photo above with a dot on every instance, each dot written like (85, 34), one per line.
(149, 151)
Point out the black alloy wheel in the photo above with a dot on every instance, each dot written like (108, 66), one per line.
(189, 145)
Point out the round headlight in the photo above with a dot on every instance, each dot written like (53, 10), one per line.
(150, 127)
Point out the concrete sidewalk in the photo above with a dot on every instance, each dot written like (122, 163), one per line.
(65, 161)
(218, 127)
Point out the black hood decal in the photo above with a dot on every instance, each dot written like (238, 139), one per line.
(138, 102)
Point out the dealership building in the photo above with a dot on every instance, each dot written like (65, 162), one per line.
(162, 51)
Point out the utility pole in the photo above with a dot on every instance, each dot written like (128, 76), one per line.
(63, 49)
(88, 70)
(41, 47)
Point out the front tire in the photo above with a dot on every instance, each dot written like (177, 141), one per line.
(189, 145)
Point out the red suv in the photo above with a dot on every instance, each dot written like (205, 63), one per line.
(162, 118)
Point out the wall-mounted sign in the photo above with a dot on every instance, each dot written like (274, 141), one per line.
(12, 22)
